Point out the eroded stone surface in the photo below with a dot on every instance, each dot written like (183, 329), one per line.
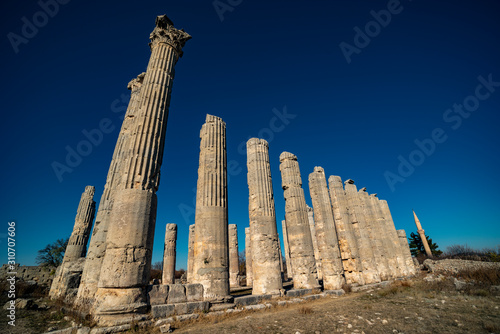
(234, 266)
(297, 224)
(356, 216)
(211, 254)
(345, 233)
(333, 271)
(312, 227)
(248, 256)
(127, 260)
(68, 275)
(169, 254)
(264, 233)
(190, 254)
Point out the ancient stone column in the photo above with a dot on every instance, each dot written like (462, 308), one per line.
(289, 271)
(127, 262)
(405, 248)
(312, 227)
(169, 254)
(234, 266)
(297, 225)
(248, 256)
(190, 254)
(421, 233)
(384, 259)
(77, 244)
(333, 271)
(211, 253)
(370, 272)
(345, 233)
(392, 251)
(393, 237)
(97, 246)
(264, 233)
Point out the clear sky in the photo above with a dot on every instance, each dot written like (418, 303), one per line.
(365, 89)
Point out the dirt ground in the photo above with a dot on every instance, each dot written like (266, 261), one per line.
(419, 308)
(415, 306)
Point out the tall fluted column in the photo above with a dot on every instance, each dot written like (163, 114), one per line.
(289, 271)
(421, 233)
(265, 240)
(387, 268)
(211, 253)
(234, 267)
(97, 246)
(248, 257)
(169, 254)
(189, 276)
(387, 238)
(127, 261)
(405, 248)
(312, 227)
(393, 237)
(333, 272)
(297, 225)
(77, 243)
(345, 233)
(370, 272)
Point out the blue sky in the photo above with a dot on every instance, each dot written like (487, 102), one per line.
(274, 69)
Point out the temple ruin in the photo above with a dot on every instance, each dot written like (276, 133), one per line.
(348, 237)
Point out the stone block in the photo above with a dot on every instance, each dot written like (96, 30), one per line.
(334, 292)
(162, 311)
(176, 294)
(255, 307)
(220, 307)
(312, 297)
(298, 292)
(194, 307)
(181, 308)
(247, 300)
(194, 292)
(158, 294)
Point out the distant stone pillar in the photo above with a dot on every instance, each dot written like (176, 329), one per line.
(189, 277)
(421, 233)
(127, 262)
(97, 246)
(169, 254)
(289, 272)
(297, 225)
(312, 227)
(77, 243)
(333, 272)
(265, 240)
(383, 256)
(345, 233)
(405, 248)
(211, 253)
(234, 267)
(248, 257)
(370, 272)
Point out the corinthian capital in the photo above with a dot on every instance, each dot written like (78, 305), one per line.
(165, 32)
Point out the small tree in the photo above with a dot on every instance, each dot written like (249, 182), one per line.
(417, 246)
(53, 254)
(242, 262)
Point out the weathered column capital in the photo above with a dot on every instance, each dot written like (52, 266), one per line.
(165, 32)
